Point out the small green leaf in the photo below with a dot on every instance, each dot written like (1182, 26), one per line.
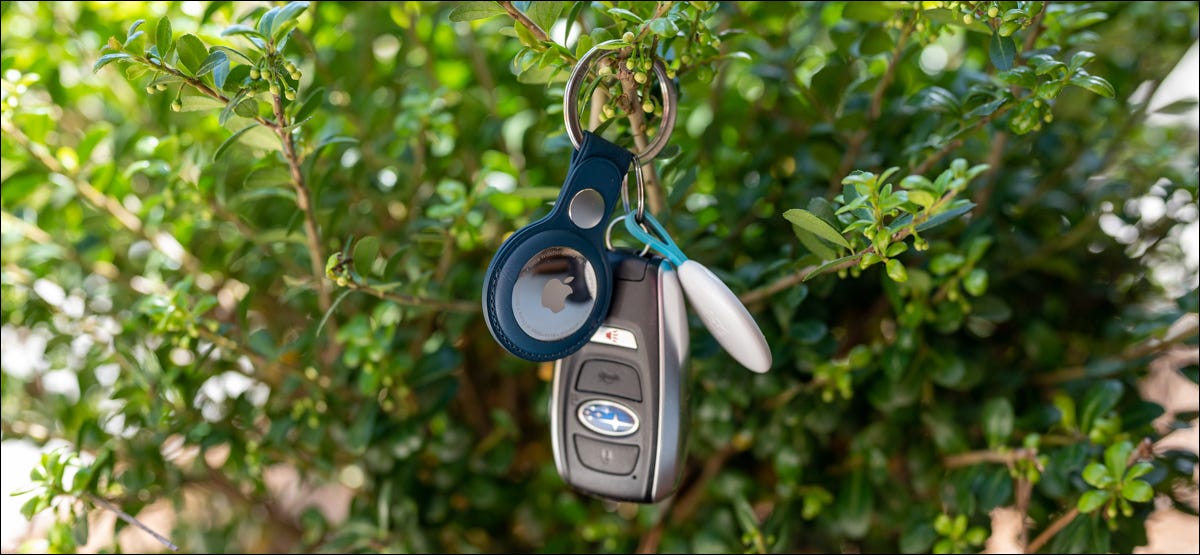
(1137, 491)
(108, 59)
(1002, 51)
(198, 103)
(545, 13)
(997, 421)
(192, 53)
(1092, 500)
(163, 37)
(333, 306)
(1098, 400)
(663, 27)
(897, 271)
(1116, 458)
(1097, 476)
(470, 11)
(247, 108)
(286, 18)
(958, 208)
(815, 225)
(814, 244)
(1138, 470)
(221, 72)
(365, 252)
(626, 14)
(870, 12)
(943, 264)
(239, 29)
(924, 199)
(1095, 84)
(976, 282)
(230, 142)
(211, 62)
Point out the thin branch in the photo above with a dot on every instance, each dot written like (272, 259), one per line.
(131, 520)
(1042, 539)
(303, 201)
(660, 10)
(637, 123)
(971, 458)
(523, 19)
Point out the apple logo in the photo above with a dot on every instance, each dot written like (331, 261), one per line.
(554, 294)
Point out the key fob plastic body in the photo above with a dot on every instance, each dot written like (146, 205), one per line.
(618, 411)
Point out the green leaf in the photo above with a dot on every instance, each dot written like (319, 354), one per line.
(108, 59)
(976, 282)
(163, 37)
(1095, 84)
(1138, 470)
(247, 108)
(1097, 476)
(1002, 51)
(815, 225)
(230, 142)
(1137, 491)
(191, 53)
(924, 199)
(221, 72)
(958, 208)
(1092, 500)
(240, 29)
(544, 13)
(1098, 400)
(470, 11)
(286, 18)
(854, 505)
(663, 27)
(1116, 458)
(133, 27)
(626, 14)
(897, 271)
(198, 103)
(937, 99)
(814, 244)
(365, 252)
(997, 421)
(1179, 107)
(1080, 59)
(211, 62)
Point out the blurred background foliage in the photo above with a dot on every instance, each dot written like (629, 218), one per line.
(252, 241)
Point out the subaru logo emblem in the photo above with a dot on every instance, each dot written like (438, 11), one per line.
(608, 418)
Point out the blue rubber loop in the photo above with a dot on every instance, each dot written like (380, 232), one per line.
(659, 240)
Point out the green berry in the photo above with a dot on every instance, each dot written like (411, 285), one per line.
(993, 11)
(274, 88)
(629, 64)
(150, 89)
(647, 64)
(605, 70)
(161, 86)
(177, 105)
(254, 73)
(290, 95)
(670, 73)
(640, 77)
(647, 106)
(968, 19)
(290, 67)
(628, 37)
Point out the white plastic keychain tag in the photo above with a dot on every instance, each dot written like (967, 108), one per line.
(722, 313)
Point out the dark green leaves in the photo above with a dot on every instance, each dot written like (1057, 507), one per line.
(470, 11)
(1002, 51)
(1094, 83)
(365, 252)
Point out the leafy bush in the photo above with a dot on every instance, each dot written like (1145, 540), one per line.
(941, 214)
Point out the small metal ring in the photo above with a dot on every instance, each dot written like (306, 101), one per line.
(608, 235)
(641, 187)
(571, 100)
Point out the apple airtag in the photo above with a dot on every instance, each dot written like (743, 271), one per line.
(549, 285)
(554, 293)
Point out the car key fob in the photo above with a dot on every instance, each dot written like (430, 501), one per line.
(618, 412)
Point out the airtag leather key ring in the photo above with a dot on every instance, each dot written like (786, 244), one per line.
(549, 286)
(722, 313)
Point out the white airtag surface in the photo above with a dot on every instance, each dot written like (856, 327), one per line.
(725, 316)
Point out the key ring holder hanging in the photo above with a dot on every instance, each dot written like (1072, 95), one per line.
(575, 127)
